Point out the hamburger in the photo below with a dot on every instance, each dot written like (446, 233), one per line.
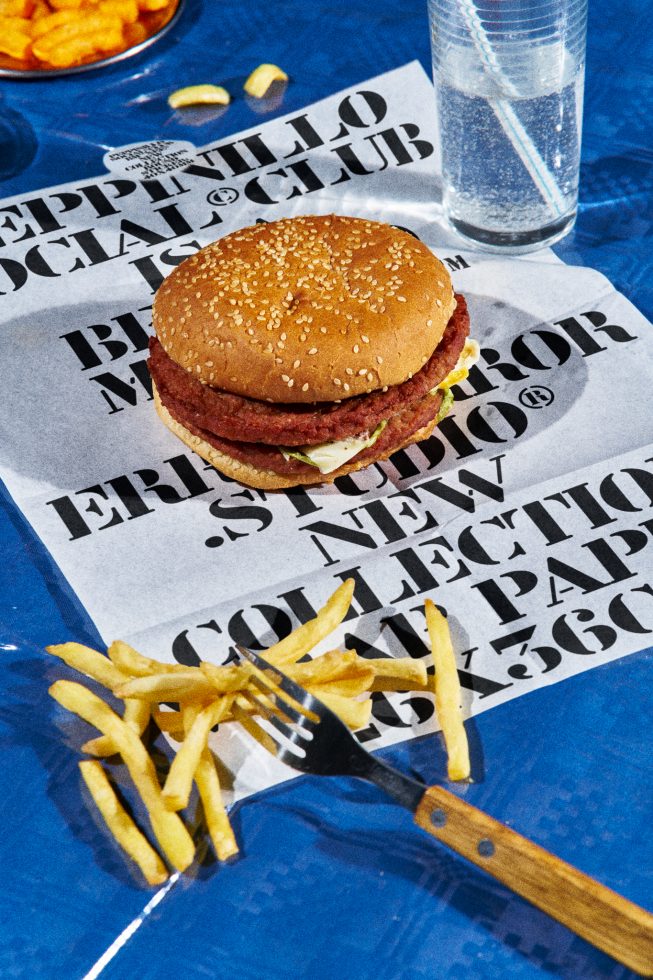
(300, 350)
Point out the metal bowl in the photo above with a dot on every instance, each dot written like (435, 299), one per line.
(157, 25)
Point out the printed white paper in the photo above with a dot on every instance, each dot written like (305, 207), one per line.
(528, 515)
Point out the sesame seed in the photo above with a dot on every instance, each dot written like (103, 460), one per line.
(313, 350)
(355, 348)
(429, 323)
(379, 360)
(401, 299)
(296, 363)
(438, 302)
(305, 387)
(337, 382)
(365, 339)
(284, 377)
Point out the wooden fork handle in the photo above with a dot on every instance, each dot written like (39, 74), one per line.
(606, 919)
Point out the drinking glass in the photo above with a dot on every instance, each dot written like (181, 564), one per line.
(508, 80)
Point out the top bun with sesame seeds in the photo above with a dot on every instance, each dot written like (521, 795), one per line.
(305, 310)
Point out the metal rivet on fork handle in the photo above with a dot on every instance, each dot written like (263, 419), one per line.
(438, 818)
(485, 848)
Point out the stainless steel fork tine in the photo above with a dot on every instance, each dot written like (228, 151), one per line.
(282, 681)
(273, 746)
(269, 715)
(270, 693)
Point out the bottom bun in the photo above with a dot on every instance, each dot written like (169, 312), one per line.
(262, 479)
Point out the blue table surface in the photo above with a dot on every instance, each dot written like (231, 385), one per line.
(334, 881)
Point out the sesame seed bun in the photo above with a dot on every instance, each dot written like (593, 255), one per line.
(306, 309)
(265, 479)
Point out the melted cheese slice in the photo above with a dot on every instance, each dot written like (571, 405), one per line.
(468, 357)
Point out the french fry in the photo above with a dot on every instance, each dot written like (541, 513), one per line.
(398, 674)
(355, 714)
(217, 821)
(136, 715)
(179, 782)
(169, 830)
(121, 825)
(304, 638)
(447, 693)
(132, 662)
(330, 666)
(185, 685)
(150, 5)
(224, 679)
(346, 687)
(209, 695)
(261, 78)
(208, 787)
(199, 95)
(66, 4)
(90, 662)
(170, 722)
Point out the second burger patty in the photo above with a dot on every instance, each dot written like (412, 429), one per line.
(234, 419)
(399, 430)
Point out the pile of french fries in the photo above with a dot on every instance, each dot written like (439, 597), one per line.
(63, 33)
(210, 695)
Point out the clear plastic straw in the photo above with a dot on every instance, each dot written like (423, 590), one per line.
(508, 118)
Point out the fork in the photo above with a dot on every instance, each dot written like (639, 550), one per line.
(314, 740)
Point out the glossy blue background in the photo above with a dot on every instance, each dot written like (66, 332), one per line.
(334, 881)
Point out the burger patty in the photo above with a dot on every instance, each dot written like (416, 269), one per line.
(399, 429)
(239, 419)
